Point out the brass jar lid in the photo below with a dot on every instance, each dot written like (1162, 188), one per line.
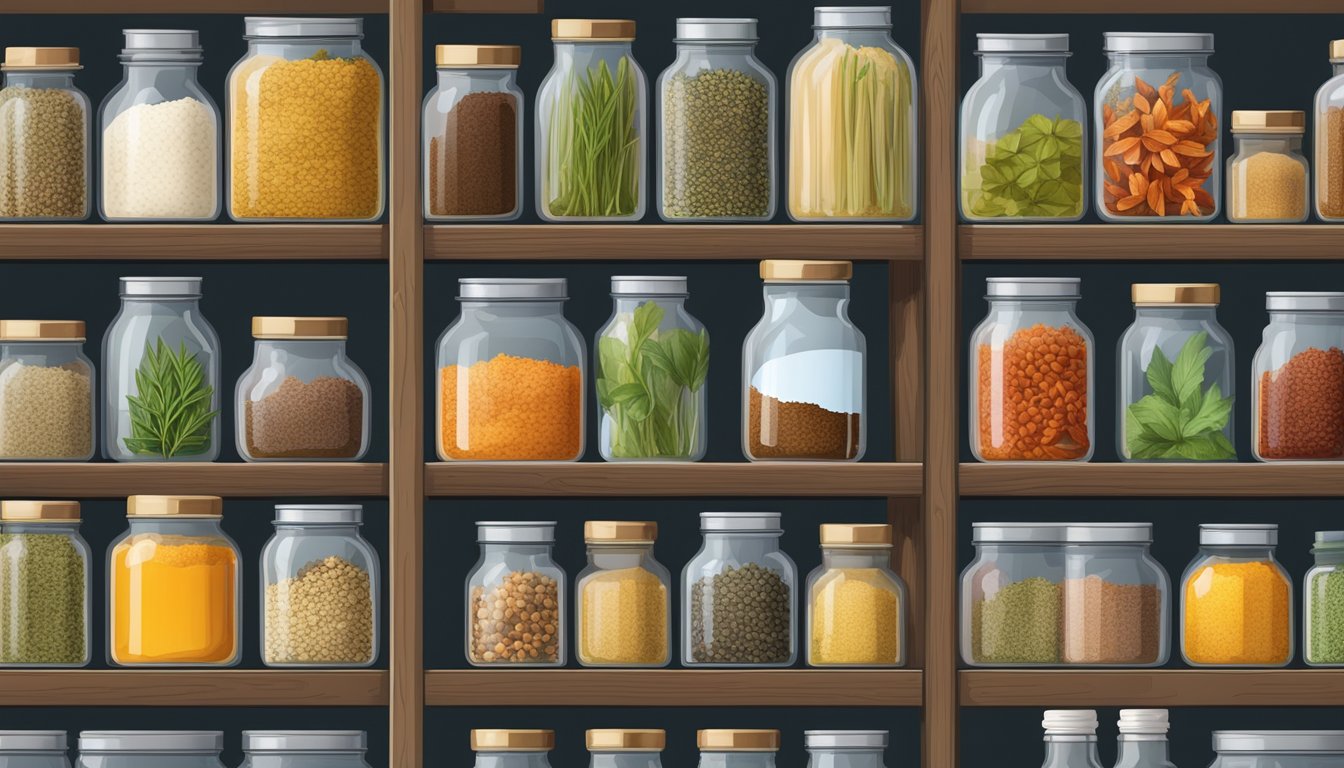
(620, 531)
(1175, 294)
(738, 740)
(1280, 121)
(806, 270)
(41, 58)
(174, 506)
(334, 328)
(506, 740)
(1336, 49)
(856, 534)
(592, 29)
(626, 739)
(478, 56)
(41, 330)
(40, 511)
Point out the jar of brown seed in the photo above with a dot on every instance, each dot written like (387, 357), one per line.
(516, 597)
(44, 137)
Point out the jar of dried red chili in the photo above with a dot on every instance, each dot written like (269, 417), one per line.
(1298, 379)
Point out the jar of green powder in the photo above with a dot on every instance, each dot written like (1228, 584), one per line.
(44, 585)
(1012, 596)
(1323, 602)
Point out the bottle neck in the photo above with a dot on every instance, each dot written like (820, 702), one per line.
(492, 548)
(323, 529)
(163, 76)
(64, 529)
(628, 303)
(823, 299)
(845, 758)
(1338, 66)
(626, 555)
(1142, 750)
(1177, 61)
(295, 48)
(1034, 65)
(1250, 143)
(61, 78)
(309, 349)
(997, 303)
(1328, 555)
(746, 545)
(625, 760)
(857, 37)
(1185, 312)
(717, 48)
(1239, 551)
(855, 557)
(1071, 752)
(474, 308)
(477, 80)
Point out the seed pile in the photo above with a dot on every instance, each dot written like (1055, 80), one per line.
(1325, 622)
(855, 618)
(324, 615)
(41, 599)
(1302, 407)
(42, 154)
(1033, 396)
(1237, 613)
(741, 615)
(780, 429)
(1110, 623)
(1330, 176)
(45, 412)
(516, 620)
(160, 161)
(510, 408)
(473, 164)
(1267, 186)
(320, 419)
(716, 145)
(623, 619)
(1019, 624)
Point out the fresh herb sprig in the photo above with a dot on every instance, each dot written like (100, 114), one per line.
(170, 415)
(1180, 419)
(593, 149)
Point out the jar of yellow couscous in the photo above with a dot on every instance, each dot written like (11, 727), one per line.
(306, 123)
(856, 604)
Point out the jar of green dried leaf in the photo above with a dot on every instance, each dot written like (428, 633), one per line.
(1012, 602)
(44, 585)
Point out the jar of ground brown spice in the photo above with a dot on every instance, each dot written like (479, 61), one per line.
(1116, 597)
(1297, 407)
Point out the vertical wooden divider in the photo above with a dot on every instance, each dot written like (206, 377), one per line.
(906, 359)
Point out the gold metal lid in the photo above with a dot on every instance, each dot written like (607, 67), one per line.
(626, 739)
(619, 531)
(502, 740)
(1337, 49)
(738, 740)
(592, 29)
(40, 511)
(483, 56)
(174, 506)
(803, 270)
(1201, 294)
(41, 58)
(1285, 121)
(856, 534)
(41, 330)
(300, 328)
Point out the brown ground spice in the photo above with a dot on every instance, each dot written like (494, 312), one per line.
(1109, 623)
(322, 419)
(1330, 176)
(1037, 410)
(1302, 407)
(778, 429)
(473, 165)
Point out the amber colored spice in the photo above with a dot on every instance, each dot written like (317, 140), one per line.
(1302, 407)
(1330, 176)
(473, 164)
(1237, 613)
(511, 408)
(320, 419)
(780, 429)
(1033, 396)
(1110, 623)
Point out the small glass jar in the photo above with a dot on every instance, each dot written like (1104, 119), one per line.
(160, 133)
(511, 374)
(852, 121)
(34, 749)
(1012, 596)
(302, 398)
(496, 748)
(846, 749)
(174, 586)
(1329, 140)
(623, 598)
(592, 120)
(650, 331)
(161, 337)
(716, 130)
(319, 589)
(626, 747)
(304, 749)
(44, 586)
(1237, 600)
(46, 153)
(1031, 368)
(306, 123)
(737, 594)
(1297, 406)
(856, 604)
(516, 566)
(1278, 749)
(1070, 738)
(1023, 127)
(804, 368)
(1267, 178)
(150, 749)
(1323, 603)
(1117, 597)
(1176, 358)
(1143, 739)
(1173, 176)
(737, 748)
(473, 135)
(47, 392)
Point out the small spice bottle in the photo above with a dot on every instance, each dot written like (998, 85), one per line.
(1012, 595)
(623, 598)
(1329, 139)
(1323, 603)
(304, 749)
(737, 747)
(45, 147)
(1236, 600)
(1143, 739)
(846, 749)
(856, 603)
(137, 749)
(1070, 738)
(34, 749)
(516, 599)
(44, 586)
(626, 747)
(1297, 378)
(1267, 178)
(1116, 597)
(47, 391)
(498, 748)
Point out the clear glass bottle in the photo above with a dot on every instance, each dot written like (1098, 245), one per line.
(623, 598)
(1268, 177)
(1148, 69)
(1117, 597)
(1329, 140)
(716, 128)
(1031, 368)
(1278, 749)
(1023, 131)
(671, 422)
(1143, 739)
(1237, 600)
(856, 604)
(512, 373)
(47, 391)
(516, 565)
(1322, 598)
(846, 749)
(845, 162)
(150, 749)
(737, 594)
(1012, 596)
(302, 398)
(160, 133)
(160, 326)
(626, 747)
(34, 749)
(319, 589)
(497, 748)
(304, 749)
(1297, 379)
(737, 748)
(45, 579)
(473, 135)
(306, 123)
(46, 150)
(804, 368)
(1160, 375)
(1070, 738)
(592, 124)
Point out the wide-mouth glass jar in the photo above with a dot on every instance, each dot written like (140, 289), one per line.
(623, 598)
(1022, 133)
(1267, 177)
(44, 586)
(497, 748)
(304, 749)
(1116, 597)
(516, 603)
(150, 749)
(1323, 603)
(845, 749)
(46, 148)
(47, 394)
(856, 604)
(34, 749)
(1328, 157)
(1278, 749)
(737, 747)
(1237, 600)
(1297, 407)
(626, 747)
(1070, 738)
(1012, 595)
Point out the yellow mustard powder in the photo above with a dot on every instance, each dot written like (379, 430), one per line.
(855, 618)
(623, 619)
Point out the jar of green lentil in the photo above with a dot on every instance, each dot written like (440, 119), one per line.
(44, 585)
(1323, 603)
(1012, 596)
(44, 137)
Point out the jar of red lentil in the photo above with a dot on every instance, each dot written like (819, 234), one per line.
(1297, 404)
(1031, 366)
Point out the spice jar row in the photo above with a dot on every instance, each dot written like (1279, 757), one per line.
(738, 597)
(174, 584)
(182, 749)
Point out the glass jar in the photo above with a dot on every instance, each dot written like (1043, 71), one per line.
(1143, 739)
(34, 749)
(1164, 76)
(1032, 364)
(1116, 597)
(511, 374)
(626, 747)
(1323, 603)
(516, 565)
(319, 589)
(1176, 358)
(160, 337)
(45, 143)
(1070, 738)
(1022, 133)
(302, 398)
(1267, 177)
(803, 367)
(737, 748)
(716, 131)
(1329, 133)
(651, 338)
(174, 586)
(306, 122)
(150, 749)
(1297, 376)
(624, 605)
(856, 604)
(1278, 749)
(44, 586)
(592, 119)
(845, 749)
(737, 594)
(473, 135)
(1012, 595)
(304, 749)
(852, 138)
(1236, 600)
(160, 133)
(46, 391)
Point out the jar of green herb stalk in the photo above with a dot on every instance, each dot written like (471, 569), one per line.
(44, 585)
(1323, 603)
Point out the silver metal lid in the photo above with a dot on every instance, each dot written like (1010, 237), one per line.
(720, 30)
(1330, 537)
(513, 532)
(1248, 534)
(860, 16)
(181, 45)
(34, 741)
(289, 26)
(993, 42)
(739, 521)
(319, 514)
(1158, 42)
(650, 285)
(1035, 287)
(846, 739)
(1279, 741)
(1143, 721)
(513, 288)
(151, 741)
(161, 286)
(304, 741)
(1114, 533)
(1018, 533)
(1304, 301)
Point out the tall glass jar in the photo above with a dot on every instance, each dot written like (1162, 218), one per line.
(1323, 603)
(46, 151)
(319, 589)
(47, 394)
(716, 131)
(737, 594)
(497, 748)
(1117, 597)
(1329, 140)
(1031, 368)
(150, 749)
(856, 604)
(651, 340)
(1297, 378)
(592, 120)
(174, 586)
(1267, 178)
(1175, 358)
(1236, 600)
(306, 123)
(44, 586)
(852, 123)
(845, 749)
(1169, 171)
(161, 338)
(804, 369)
(737, 748)
(516, 567)
(511, 374)
(626, 747)
(1143, 739)
(304, 749)
(160, 133)
(473, 135)
(1012, 595)
(302, 398)
(1070, 738)
(1278, 749)
(1022, 133)
(34, 749)
(623, 598)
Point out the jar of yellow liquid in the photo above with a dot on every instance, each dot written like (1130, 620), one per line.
(856, 603)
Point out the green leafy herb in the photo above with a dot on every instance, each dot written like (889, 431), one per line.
(170, 414)
(592, 152)
(1180, 419)
(1033, 171)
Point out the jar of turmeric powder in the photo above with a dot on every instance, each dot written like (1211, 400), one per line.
(856, 604)
(1297, 379)
(1236, 600)
(624, 598)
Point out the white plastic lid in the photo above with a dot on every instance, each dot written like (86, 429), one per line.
(1250, 534)
(319, 514)
(739, 521)
(1144, 721)
(34, 741)
(992, 42)
(1279, 741)
(514, 532)
(1109, 533)
(151, 741)
(720, 30)
(859, 16)
(1304, 301)
(649, 285)
(1024, 533)
(512, 288)
(304, 741)
(1070, 722)
(1158, 42)
(1034, 287)
(288, 26)
(846, 739)
(161, 286)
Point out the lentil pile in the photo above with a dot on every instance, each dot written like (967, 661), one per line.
(473, 164)
(1032, 396)
(160, 161)
(1301, 413)
(320, 419)
(855, 618)
(1330, 176)
(1237, 613)
(716, 145)
(1267, 186)
(41, 599)
(1325, 639)
(1020, 624)
(174, 600)
(511, 408)
(623, 618)
(516, 620)
(1110, 623)
(45, 412)
(42, 154)
(324, 615)
(741, 615)
(779, 429)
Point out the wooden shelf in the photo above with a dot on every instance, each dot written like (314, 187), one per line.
(48, 480)
(1148, 480)
(675, 687)
(195, 6)
(1152, 688)
(1150, 242)
(464, 479)
(193, 688)
(1150, 6)
(191, 242)
(485, 6)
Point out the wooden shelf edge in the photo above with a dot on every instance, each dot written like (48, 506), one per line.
(190, 242)
(1152, 480)
(1151, 688)
(485, 6)
(281, 479)
(193, 688)
(1150, 242)
(194, 6)
(1149, 6)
